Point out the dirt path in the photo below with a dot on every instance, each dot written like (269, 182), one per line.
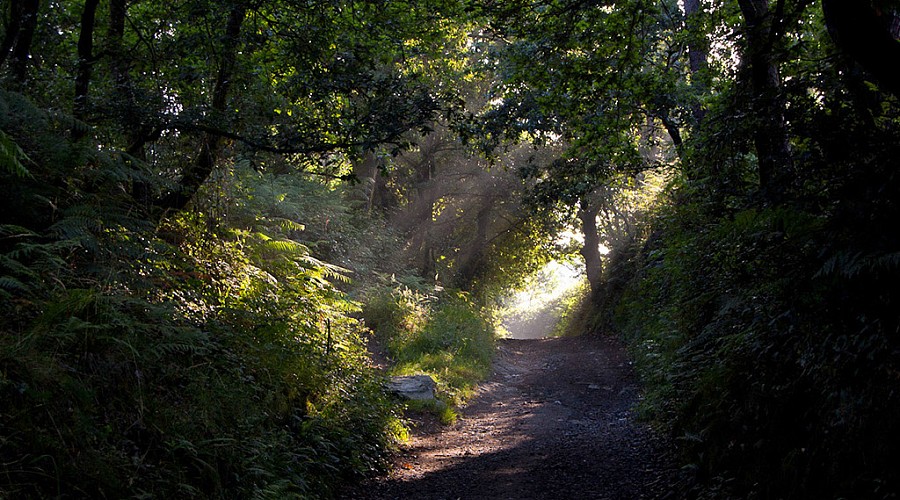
(553, 422)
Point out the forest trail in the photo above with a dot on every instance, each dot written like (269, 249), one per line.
(554, 421)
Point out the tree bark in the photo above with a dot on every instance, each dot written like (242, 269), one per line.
(472, 261)
(194, 177)
(12, 30)
(698, 49)
(85, 65)
(770, 139)
(698, 54)
(590, 251)
(673, 130)
(137, 129)
(420, 222)
(17, 41)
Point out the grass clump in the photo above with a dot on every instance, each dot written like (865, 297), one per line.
(446, 336)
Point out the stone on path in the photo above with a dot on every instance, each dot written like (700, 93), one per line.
(419, 387)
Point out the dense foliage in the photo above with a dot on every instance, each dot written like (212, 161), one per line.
(193, 358)
(169, 326)
(760, 299)
(765, 317)
(208, 209)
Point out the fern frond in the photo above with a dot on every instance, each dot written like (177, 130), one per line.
(74, 301)
(13, 231)
(12, 157)
(68, 121)
(289, 247)
(77, 227)
(13, 285)
(13, 266)
(887, 262)
(285, 224)
(24, 251)
(174, 348)
(850, 265)
(280, 488)
(330, 271)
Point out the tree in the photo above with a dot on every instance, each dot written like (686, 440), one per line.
(764, 27)
(868, 32)
(593, 262)
(200, 169)
(85, 64)
(16, 46)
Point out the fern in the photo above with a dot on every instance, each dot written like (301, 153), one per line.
(14, 267)
(13, 231)
(278, 489)
(330, 271)
(187, 341)
(284, 224)
(299, 253)
(23, 267)
(288, 248)
(68, 122)
(11, 284)
(72, 303)
(852, 264)
(12, 157)
(43, 252)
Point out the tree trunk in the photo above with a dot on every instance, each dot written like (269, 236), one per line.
(85, 64)
(673, 131)
(137, 132)
(423, 224)
(770, 134)
(866, 35)
(17, 41)
(472, 261)
(203, 165)
(137, 129)
(12, 30)
(365, 170)
(590, 251)
(698, 50)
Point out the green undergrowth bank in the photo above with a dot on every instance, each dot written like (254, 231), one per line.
(225, 365)
(203, 353)
(767, 341)
(443, 334)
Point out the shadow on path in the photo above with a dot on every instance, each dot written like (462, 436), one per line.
(553, 422)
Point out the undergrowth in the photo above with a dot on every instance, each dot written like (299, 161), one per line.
(234, 375)
(765, 328)
(767, 347)
(203, 354)
(441, 334)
